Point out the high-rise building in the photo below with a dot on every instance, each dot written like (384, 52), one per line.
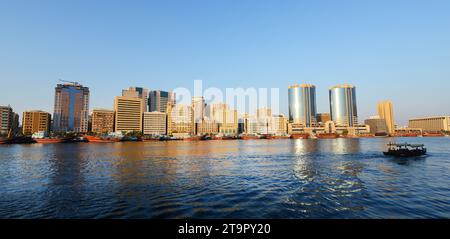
(264, 117)
(158, 100)
(102, 121)
(431, 124)
(278, 125)
(128, 114)
(386, 112)
(35, 121)
(207, 126)
(138, 92)
(6, 119)
(343, 106)
(180, 119)
(302, 104)
(71, 108)
(155, 123)
(198, 105)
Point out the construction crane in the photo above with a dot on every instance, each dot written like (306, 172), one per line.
(72, 82)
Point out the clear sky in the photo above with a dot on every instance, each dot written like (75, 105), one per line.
(397, 50)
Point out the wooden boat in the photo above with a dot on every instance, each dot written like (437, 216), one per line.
(50, 140)
(249, 137)
(300, 136)
(96, 139)
(327, 136)
(280, 137)
(405, 150)
(433, 135)
(193, 138)
(406, 135)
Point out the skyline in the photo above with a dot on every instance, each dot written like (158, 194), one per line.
(389, 51)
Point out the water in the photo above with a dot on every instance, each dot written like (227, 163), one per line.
(343, 178)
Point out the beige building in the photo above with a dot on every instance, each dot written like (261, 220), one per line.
(155, 123)
(128, 114)
(207, 126)
(6, 119)
(225, 117)
(386, 112)
(180, 119)
(278, 125)
(138, 92)
(35, 121)
(102, 121)
(431, 124)
(377, 125)
(323, 118)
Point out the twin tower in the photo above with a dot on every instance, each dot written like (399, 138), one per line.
(303, 109)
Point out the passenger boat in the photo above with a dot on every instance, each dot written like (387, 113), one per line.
(300, 136)
(327, 136)
(405, 150)
(406, 135)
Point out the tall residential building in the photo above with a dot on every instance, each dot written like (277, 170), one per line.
(207, 126)
(155, 123)
(128, 114)
(198, 105)
(302, 104)
(71, 108)
(6, 119)
(35, 121)
(158, 100)
(343, 105)
(138, 92)
(386, 112)
(431, 124)
(264, 118)
(102, 121)
(180, 119)
(278, 125)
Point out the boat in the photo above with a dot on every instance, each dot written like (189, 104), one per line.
(193, 138)
(50, 140)
(327, 136)
(249, 137)
(97, 139)
(435, 134)
(406, 135)
(280, 137)
(405, 150)
(300, 136)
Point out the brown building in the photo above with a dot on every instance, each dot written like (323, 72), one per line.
(71, 108)
(102, 121)
(35, 121)
(323, 117)
(6, 119)
(128, 114)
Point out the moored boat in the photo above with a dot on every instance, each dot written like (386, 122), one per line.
(97, 139)
(435, 134)
(327, 136)
(50, 140)
(300, 136)
(249, 137)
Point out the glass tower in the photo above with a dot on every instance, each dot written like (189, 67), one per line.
(302, 104)
(71, 108)
(343, 105)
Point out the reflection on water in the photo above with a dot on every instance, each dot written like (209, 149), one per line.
(343, 178)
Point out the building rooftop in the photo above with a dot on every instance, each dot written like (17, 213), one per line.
(302, 86)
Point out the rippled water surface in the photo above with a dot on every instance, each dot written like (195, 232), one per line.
(343, 178)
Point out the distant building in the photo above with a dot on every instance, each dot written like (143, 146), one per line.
(322, 118)
(128, 114)
(343, 105)
(6, 119)
(138, 92)
(71, 108)
(278, 125)
(431, 124)
(225, 117)
(159, 100)
(155, 123)
(302, 104)
(102, 121)
(250, 123)
(377, 126)
(207, 126)
(198, 105)
(386, 112)
(180, 119)
(35, 121)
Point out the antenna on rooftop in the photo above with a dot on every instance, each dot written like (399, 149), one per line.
(72, 82)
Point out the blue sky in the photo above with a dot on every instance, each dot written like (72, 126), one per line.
(397, 50)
